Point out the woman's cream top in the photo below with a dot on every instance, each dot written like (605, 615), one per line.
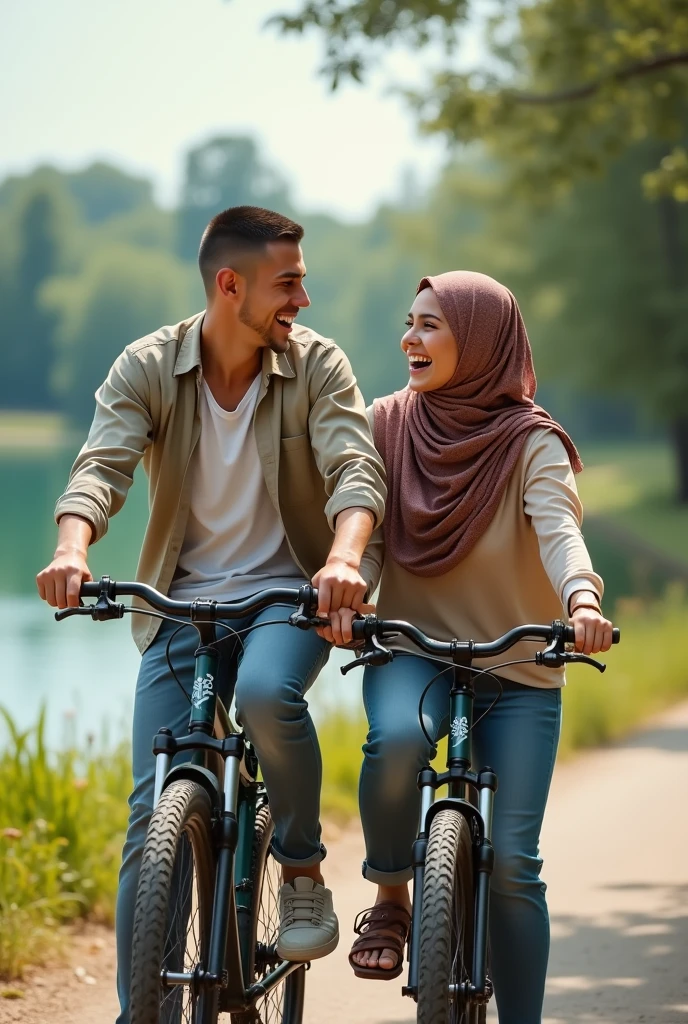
(524, 568)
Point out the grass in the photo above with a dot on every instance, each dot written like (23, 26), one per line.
(63, 815)
(62, 823)
(646, 673)
(633, 486)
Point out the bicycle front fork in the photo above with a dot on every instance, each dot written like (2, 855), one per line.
(459, 778)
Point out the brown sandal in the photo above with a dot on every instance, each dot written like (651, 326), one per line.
(384, 926)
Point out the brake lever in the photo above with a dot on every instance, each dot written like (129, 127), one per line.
(373, 654)
(583, 659)
(101, 611)
(554, 657)
(64, 613)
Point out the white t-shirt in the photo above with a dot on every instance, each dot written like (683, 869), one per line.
(235, 543)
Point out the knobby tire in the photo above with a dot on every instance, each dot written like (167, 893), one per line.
(170, 931)
(446, 926)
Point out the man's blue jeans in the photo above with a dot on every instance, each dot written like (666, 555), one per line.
(519, 740)
(270, 677)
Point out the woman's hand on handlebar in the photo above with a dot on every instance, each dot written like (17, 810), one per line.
(593, 631)
(340, 625)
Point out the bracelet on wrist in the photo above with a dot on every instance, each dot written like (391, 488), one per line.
(586, 604)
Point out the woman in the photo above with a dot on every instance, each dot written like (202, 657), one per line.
(482, 534)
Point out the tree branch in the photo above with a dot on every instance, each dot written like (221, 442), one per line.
(582, 92)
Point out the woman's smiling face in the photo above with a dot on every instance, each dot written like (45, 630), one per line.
(429, 344)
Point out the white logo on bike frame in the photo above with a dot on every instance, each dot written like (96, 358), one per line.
(459, 729)
(202, 690)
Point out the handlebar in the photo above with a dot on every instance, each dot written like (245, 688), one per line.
(201, 610)
(368, 629)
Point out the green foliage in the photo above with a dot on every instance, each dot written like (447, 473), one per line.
(62, 824)
(611, 267)
(562, 86)
(670, 178)
(646, 673)
(61, 235)
(97, 193)
(341, 738)
(225, 171)
(122, 294)
(345, 23)
(37, 893)
(34, 229)
(103, 191)
(631, 489)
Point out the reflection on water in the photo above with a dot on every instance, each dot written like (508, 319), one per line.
(84, 671)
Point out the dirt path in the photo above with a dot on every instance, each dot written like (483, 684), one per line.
(616, 861)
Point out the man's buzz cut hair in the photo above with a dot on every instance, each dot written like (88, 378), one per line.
(238, 232)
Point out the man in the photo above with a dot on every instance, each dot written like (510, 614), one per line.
(255, 439)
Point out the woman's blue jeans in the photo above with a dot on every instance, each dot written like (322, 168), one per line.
(518, 739)
(269, 678)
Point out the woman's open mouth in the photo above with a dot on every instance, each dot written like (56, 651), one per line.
(419, 363)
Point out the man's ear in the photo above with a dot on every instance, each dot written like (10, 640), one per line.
(230, 283)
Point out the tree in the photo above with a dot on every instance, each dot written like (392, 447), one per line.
(225, 171)
(103, 191)
(99, 192)
(122, 294)
(565, 88)
(26, 380)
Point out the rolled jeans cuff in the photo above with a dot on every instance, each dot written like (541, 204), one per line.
(298, 862)
(387, 877)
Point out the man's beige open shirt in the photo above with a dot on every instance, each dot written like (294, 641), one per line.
(311, 430)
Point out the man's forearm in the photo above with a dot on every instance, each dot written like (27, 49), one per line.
(74, 535)
(353, 530)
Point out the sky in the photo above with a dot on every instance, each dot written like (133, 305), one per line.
(136, 82)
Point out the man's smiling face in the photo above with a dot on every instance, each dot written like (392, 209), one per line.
(275, 294)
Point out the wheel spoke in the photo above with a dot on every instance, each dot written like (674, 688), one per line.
(269, 1008)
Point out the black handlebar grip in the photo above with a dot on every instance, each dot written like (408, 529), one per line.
(570, 635)
(90, 589)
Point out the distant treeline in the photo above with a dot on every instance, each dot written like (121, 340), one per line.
(89, 262)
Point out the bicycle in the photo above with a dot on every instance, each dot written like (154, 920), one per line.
(453, 855)
(206, 918)
(217, 804)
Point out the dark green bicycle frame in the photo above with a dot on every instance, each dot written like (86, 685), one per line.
(235, 805)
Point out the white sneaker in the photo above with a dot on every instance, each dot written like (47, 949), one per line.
(308, 924)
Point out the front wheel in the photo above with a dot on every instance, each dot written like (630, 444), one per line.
(446, 925)
(174, 907)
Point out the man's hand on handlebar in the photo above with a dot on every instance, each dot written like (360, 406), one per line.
(59, 582)
(341, 592)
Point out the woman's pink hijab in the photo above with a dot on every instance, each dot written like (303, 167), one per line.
(449, 453)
